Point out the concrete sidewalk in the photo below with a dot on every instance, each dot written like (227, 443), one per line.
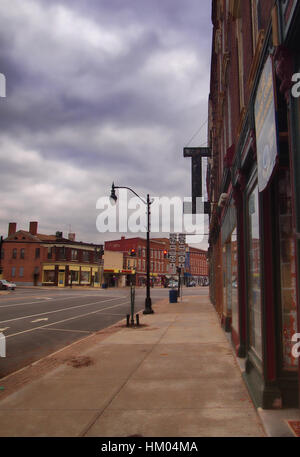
(175, 376)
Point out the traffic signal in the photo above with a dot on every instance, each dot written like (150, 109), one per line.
(132, 252)
(165, 254)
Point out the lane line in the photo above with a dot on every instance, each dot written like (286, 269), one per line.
(57, 310)
(44, 300)
(39, 320)
(65, 320)
(68, 330)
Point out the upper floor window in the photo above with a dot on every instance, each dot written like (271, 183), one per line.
(49, 254)
(37, 253)
(74, 254)
(22, 253)
(62, 253)
(85, 256)
(14, 253)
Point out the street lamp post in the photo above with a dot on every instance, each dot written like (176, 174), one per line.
(148, 304)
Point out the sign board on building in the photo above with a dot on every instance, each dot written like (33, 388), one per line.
(173, 253)
(265, 125)
(181, 250)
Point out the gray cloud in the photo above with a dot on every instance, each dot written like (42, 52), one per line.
(98, 91)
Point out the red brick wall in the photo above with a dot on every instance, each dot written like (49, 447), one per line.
(29, 263)
(247, 45)
(265, 11)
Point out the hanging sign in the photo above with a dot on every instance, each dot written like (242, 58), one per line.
(265, 125)
(173, 252)
(181, 250)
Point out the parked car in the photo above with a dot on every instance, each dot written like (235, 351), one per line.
(173, 284)
(192, 284)
(7, 285)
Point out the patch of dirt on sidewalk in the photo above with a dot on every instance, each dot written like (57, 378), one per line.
(79, 362)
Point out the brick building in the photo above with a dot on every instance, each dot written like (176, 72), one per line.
(159, 264)
(196, 266)
(253, 187)
(32, 258)
(196, 260)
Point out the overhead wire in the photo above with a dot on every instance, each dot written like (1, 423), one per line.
(198, 131)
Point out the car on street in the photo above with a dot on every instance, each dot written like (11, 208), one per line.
(5, 285)
(173, 284)
(192, 284)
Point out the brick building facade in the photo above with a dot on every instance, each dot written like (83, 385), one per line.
(196, 260)
(32, 258)
(253, 187)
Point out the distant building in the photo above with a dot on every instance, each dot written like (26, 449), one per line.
(32, 258)
(117, 272)
(159, 265)
(196, 261)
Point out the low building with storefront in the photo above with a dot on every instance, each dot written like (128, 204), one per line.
(32, 258)
(117, 272)
(135, 255)
(253, 187)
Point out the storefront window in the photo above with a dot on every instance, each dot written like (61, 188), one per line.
(287, 271)
(49, 276)
(234, 281)
(85, 277)
(74, 276)
(254, 287)
(230, 284)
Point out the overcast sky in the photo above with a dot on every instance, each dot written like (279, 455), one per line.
(98, 91)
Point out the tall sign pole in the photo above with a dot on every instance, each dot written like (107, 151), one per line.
(181, 258)
(173, 253)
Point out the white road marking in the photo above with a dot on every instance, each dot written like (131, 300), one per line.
(69, 319)
(56, 311)
(42, 301)
(68, 330)
(44, 298)
(3, 329)
(39, 320)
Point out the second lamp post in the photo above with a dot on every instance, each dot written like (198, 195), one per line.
(148, 304)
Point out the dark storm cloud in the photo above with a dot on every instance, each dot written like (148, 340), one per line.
(98, 91)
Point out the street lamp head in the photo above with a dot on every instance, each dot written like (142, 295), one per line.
(113, 198)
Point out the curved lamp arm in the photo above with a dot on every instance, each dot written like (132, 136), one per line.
(114, 197)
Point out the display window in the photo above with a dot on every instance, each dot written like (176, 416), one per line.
(49, 276)
(254, 276)
(287, 271)
(234, 281)
(85, 277)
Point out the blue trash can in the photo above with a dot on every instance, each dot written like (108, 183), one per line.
(173, 296)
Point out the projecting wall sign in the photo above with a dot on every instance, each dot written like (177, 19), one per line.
(265, 125)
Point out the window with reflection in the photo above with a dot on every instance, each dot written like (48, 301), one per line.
(254, 279)
(287, 271)
(234, 280)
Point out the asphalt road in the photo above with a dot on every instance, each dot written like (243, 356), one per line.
(38, 322)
